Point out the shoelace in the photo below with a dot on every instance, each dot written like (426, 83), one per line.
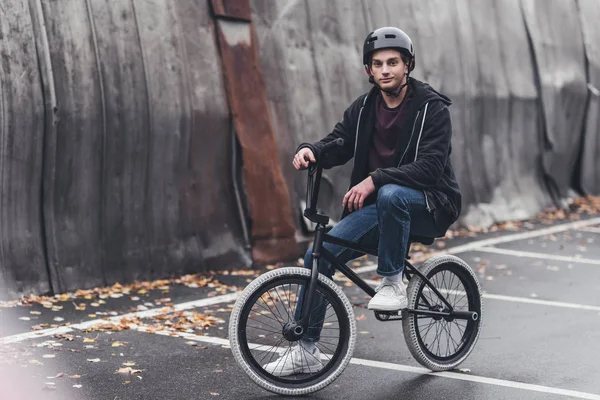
(388, 289)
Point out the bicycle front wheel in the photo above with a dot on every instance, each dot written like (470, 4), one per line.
(257, 325)
(436, 342)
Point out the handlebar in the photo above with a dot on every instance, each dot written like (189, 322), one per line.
(314, 182)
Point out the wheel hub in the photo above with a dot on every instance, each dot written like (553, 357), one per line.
(292, 331)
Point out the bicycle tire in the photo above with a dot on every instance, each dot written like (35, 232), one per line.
(240, 349)
(410, 321)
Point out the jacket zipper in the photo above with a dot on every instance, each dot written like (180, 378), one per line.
(417, 150)
(409, 139)
(356, 138)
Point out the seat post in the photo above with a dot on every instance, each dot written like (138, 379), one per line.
(408, 250)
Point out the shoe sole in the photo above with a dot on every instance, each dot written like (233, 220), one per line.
(383, 308)
(289, 372)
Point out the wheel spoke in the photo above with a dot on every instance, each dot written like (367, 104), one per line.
(261, 340)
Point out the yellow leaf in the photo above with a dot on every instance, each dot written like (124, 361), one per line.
(117, 344)
(89, 340)
(35, 312)
(75, 376)
(129, 364)
(142, 291)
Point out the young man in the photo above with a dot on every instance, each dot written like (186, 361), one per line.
(399, 135)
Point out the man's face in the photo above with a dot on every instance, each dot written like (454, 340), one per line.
(388, 69)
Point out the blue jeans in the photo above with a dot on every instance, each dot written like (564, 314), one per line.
(386, 225)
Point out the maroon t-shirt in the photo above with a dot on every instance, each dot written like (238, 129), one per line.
(386, 135)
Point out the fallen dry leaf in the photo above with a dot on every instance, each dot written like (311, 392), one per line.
(118, 344)
(65, 336)
(128, 370)
(75, 376)
(361, 317)
(129, 364)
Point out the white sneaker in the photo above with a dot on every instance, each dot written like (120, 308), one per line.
(297, 361)
(390, 297)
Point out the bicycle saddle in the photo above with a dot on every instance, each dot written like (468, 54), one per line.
(426, 240)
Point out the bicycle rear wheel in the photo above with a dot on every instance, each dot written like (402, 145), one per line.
(256, 331)
(435, 342)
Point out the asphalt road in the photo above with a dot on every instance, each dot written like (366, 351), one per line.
(540, 339)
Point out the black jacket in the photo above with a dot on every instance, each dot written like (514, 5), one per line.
(424, 164)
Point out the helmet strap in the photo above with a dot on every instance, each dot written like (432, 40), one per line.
(391, 93)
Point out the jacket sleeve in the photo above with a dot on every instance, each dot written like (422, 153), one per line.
(433, 151)
(345, 129)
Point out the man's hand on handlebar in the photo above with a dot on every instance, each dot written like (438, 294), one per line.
(303, 158)
(355, 198)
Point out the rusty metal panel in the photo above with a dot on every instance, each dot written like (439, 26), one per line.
(232, 9)
(273, 229)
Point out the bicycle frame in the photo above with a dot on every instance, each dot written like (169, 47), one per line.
(318, 252)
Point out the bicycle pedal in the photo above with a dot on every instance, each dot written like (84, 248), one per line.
(388, 315)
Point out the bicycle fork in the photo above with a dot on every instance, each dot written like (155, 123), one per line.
(294, 330)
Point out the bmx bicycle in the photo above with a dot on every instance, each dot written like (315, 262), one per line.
(275, 311)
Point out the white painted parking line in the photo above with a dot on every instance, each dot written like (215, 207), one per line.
(35, 334)
(478, 379)
(591, 229)
(521, 236)
(541, 302)
(515, 299)
(543, 256)
(485, 243)
(424, 371)
(138, 314)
